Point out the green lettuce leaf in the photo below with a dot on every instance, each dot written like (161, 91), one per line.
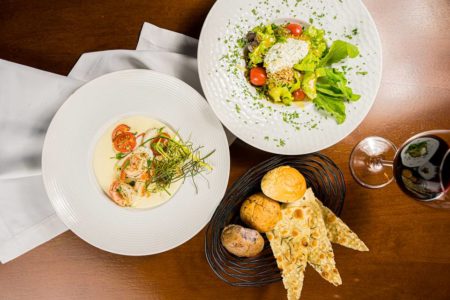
(317, 46)
(266, 38)
(332, 92)
(308, 64)
(338, 51)
(316, 39)
(333, 83)
(334, 106)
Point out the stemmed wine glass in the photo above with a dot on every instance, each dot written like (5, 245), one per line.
(421, 167)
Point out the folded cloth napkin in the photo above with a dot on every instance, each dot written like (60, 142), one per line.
(28, 100)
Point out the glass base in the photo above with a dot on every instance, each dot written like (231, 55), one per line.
(371, 162)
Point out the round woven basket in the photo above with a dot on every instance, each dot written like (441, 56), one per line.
(321, 174)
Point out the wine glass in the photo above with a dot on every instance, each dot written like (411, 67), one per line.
(421, 167)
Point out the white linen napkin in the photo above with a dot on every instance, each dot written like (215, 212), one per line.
(28, 100)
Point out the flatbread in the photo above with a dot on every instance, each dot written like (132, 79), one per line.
(316, 226)
(320, 252)
(339, 232)
(289, 241)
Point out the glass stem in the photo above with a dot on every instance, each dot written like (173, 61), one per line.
(388, 163)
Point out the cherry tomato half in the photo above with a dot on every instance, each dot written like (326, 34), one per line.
(298, 95)
(295, 29)
(121, 128)
(258, 76)
(160, 140)
(124, 142)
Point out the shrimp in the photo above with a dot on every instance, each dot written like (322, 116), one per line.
(141, 189)
(135, 167)
(121, 193)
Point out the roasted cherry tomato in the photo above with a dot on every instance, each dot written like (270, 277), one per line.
(298, 95)
(124, 142)
(295, 29)
(121, 128)
(258, 76)
(160, 140)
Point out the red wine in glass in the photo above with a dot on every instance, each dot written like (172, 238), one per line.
(418, 170)
(421, 167)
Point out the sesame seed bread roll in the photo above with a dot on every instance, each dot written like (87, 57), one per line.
(284, 184)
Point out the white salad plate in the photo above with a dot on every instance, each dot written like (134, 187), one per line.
(71, 183)
(277, 128)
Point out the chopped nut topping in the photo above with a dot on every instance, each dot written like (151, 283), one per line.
(284, 76)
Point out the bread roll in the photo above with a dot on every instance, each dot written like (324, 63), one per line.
(241, 241)
(284, 184)
(260, 212)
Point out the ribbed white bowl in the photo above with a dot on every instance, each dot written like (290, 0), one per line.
(70, 181)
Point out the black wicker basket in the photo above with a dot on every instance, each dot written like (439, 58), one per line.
(321, 174)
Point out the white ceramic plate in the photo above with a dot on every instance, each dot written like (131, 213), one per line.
(276, 128)
(69, 177)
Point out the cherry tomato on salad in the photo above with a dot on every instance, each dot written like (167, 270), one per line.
(124, 142)
(121, 128)
(295, 29)
(298, 95)
(160, 140)
(258, 76)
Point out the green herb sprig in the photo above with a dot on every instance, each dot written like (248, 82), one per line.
(178, 160)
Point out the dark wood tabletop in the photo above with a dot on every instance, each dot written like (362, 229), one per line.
(409, 244)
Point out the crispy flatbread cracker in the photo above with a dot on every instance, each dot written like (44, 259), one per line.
(320, 252)
(339, 232)
(289, 241)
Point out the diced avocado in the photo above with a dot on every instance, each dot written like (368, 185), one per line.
(281, 94)
(309, 85)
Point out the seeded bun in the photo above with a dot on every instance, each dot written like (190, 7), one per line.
(241, 241)
(284, 184)
(260, 212)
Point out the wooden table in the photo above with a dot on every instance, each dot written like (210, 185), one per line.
(409, 244)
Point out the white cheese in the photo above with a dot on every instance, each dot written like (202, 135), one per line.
(285, 55)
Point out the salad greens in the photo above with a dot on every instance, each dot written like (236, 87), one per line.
(338, 51)
(266, 38)
(332, 92)
(317, 40)
(311, 78)
(317, 45)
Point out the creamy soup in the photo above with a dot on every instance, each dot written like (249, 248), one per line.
(122, 160)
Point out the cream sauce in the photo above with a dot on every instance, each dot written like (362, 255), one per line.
(104, 165)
